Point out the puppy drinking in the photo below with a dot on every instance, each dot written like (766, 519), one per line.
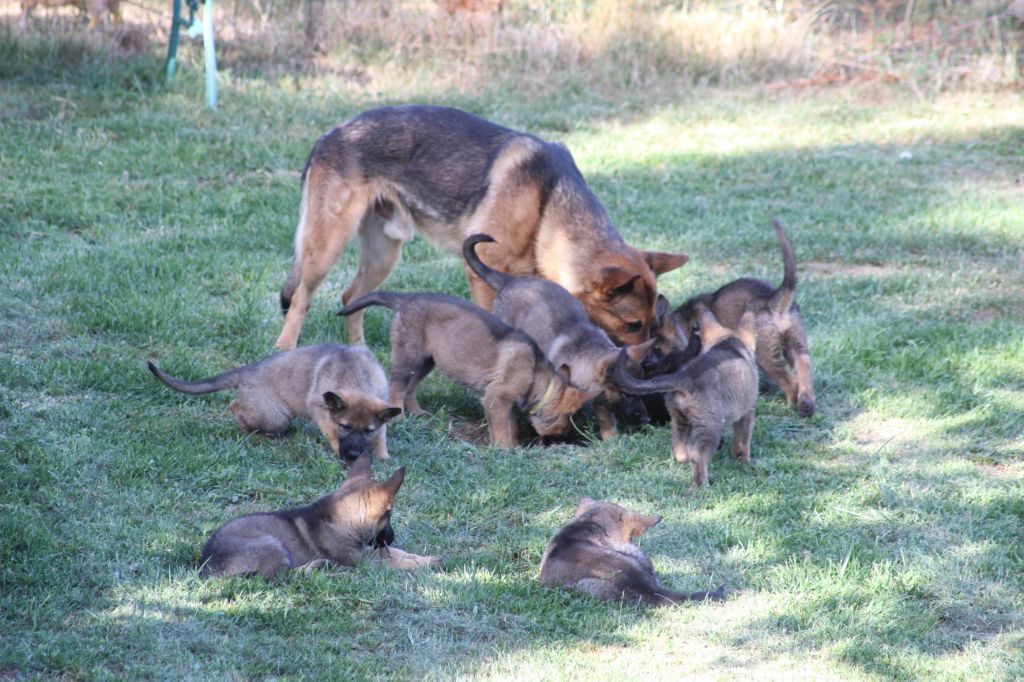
(342, 389)
(595, 554)
(553, 318)
(479, 351)
(342, 528)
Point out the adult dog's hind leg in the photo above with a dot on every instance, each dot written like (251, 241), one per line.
(380, 245)
(332, 209)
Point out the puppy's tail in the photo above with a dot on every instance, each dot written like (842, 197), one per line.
(627, 383)
(228, 379)
(495, 279)
(663, 597)
(387, 299)
(784, 295)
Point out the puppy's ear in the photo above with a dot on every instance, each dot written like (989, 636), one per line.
(711, 331)
(391, 486)
(334, 402)
(641, 523)
(638, 351)
(360, 468)
(389, 413)
(661, 307)
(566, 371)
(585, 504)
(616, 281)
(604, 365)
(660, 263)
(747, 330)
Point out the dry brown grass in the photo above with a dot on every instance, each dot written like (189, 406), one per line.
(405, 47)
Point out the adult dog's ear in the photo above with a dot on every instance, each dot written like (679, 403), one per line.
(660, 262)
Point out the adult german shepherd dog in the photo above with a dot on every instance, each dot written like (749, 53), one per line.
(450, 174)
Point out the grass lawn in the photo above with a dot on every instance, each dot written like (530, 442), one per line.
(880, 539)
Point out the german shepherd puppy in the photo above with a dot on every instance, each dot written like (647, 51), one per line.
(708, 394)
(558, 323)
(450, 174)
(479, 351)
(341, 528)
(782, 349)
(595, 554)
(342, 389)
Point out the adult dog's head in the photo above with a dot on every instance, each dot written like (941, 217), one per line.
(620, 291)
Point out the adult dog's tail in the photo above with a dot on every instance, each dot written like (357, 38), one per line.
(784, 295)
(229, 379)
(387, 299)
(495, 279)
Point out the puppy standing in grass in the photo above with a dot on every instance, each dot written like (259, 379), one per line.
(595, 554)
(708, 394)
(782, 349)
(558, 323)
(342, 389)
(342, 528)
(450, 174)
(479, 351)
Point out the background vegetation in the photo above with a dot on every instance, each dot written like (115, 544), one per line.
(881, 539)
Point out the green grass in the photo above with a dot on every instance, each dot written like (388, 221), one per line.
(880, 539)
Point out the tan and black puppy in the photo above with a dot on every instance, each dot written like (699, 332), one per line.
(715, 390)
(481, 352)
(342, 389)
(342, 528)
(595, 554)
(558, 323)
(782, 349)
(450, 174)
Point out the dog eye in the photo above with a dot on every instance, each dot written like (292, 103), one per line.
(634, 327)
(344, 426)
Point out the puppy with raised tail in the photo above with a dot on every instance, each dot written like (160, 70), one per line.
(342, 389)
(595, 554)
(782, 349)
(350, 524)
(476, 349)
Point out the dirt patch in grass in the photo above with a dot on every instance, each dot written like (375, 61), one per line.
(470, 430)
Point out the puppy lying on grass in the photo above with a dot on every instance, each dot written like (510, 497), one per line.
(342, 528)
(595, 554)
(342, 389)
(716, 389)
(782, 349)
(553, 318)
(482, 353)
